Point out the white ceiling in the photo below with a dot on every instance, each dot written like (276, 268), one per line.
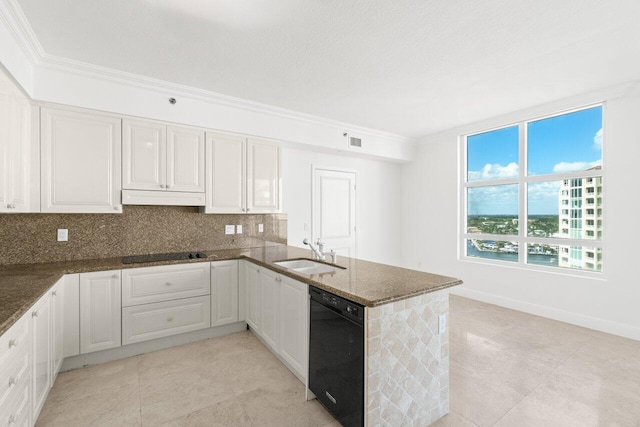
(410, 67)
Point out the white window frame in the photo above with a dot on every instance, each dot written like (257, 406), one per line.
(522, 180)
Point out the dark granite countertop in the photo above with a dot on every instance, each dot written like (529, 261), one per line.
(367, 283)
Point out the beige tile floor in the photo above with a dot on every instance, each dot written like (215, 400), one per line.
(507, 369)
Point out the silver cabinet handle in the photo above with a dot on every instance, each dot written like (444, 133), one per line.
(169, 319)
(115, 276)
(168, 284)
(116, 208)
(12, 381)
(54, 293)
(168, 185)
(34, 314)
(12, 419)
(13, 343)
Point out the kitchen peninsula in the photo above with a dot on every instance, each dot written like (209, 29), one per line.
(406, 363)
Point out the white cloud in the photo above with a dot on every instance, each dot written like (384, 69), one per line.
(563, 167)
(597, 140)
(494, 171)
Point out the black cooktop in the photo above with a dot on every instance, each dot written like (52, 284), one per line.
(162, 257)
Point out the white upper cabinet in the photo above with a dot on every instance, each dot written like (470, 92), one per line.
(15, 149)
(226, 175)
(264, 173)
(81, 162)
(185, 159)
(157, 157)
(243, 176)
(144, 165)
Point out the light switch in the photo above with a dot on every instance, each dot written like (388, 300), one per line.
(239, 229)
(260, 228)
(63, 234)
(229, 229)
(442, 324)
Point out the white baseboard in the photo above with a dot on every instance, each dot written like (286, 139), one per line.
(578, 319)
(130, 350)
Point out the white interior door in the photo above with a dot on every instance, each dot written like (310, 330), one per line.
(334, 210)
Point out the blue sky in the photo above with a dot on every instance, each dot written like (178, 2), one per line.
(570, 142)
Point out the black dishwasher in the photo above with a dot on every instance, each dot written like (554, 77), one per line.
(336, 355)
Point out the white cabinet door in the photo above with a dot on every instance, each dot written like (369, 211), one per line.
(80, 164)
(185, 159)
(57, 327)
(270, 284)
(224, 292)
(100, 317)
(41, 352)
(254, 297)
(264, 175)
(15, 148)
(294, 322)
(226, 174)
(144, 155)
(71, 295)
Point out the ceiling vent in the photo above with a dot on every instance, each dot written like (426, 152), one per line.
(355, 142)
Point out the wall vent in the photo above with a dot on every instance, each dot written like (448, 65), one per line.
(355, 142)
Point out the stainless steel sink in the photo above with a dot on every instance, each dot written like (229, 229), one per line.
(306, 266)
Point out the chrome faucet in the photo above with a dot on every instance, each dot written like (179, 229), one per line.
(318, 251)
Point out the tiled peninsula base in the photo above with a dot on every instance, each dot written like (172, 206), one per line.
(407, 362)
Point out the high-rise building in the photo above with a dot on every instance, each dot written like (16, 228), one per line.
(580, 217)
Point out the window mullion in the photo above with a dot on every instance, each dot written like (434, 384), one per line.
(522, 193)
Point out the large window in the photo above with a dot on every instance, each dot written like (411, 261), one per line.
(532, 192)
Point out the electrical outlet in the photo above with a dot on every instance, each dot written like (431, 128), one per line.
(442, 324)
(63, 235)
(260, 228)
(239, 229)
(229, 229)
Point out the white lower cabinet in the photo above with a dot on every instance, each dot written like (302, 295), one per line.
(294, 324)
(100, 318)
(31, 354)
(71, 318)
(224, 292)
(162, 319)
(270, 284)
(277, 311)
(15, 370)
(165, 300)
(253, 296)
(57, 327)
(41, 352)
(164, 283)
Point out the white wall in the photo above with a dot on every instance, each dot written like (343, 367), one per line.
(430, 198)
(377, 201)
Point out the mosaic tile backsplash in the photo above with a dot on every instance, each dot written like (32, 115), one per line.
(32, 238)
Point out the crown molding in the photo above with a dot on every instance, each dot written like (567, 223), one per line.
(11, 13)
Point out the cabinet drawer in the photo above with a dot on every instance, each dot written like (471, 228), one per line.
(15, 341)
(162, 319)
(17, 411)
(13, 377)
(169, 282)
